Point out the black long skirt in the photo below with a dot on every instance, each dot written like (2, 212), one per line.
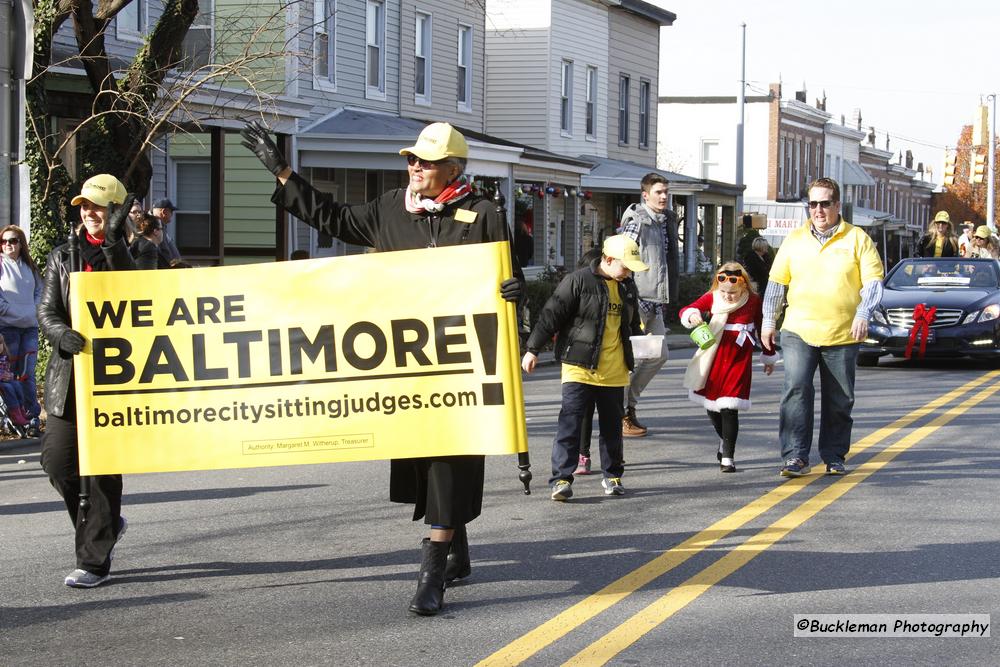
(445, 490)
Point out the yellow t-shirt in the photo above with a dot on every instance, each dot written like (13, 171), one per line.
(938, 246)
(611, 370)
(824, 282)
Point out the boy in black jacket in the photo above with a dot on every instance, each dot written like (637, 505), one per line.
(594, 310)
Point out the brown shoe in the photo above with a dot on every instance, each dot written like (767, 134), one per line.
(631, 428)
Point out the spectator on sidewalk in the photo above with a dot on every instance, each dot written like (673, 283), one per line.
(145, 247)
(592, 313)
(653, 226)
(830, 274)
(436, 209)
(164, 210)
(104, 205)
(20, 292)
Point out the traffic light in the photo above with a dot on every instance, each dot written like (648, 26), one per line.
(978, 168)
(949, 168)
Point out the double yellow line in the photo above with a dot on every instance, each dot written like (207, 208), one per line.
(633, 628)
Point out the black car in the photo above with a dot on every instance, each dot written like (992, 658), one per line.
(966, 293)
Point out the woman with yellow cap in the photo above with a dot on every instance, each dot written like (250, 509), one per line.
(437, 208)
(940, 240)
(985, 244)
(104, 207)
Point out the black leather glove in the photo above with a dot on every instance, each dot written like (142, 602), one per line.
(115, 220)
(257, 139)
(510, 289)
(72, 341)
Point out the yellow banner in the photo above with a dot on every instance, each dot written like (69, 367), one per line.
(364, 357)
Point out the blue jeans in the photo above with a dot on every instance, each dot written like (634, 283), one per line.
(836, 365)
(578, 401)
(22, 346)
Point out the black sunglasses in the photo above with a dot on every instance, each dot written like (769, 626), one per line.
(412, 160)
(11, 241)
(826, 203)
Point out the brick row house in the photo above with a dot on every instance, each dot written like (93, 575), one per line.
(788, 143)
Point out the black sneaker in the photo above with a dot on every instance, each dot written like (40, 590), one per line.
(835, 468)
(794, 468)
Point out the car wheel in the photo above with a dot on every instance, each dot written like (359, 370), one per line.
(867, 360)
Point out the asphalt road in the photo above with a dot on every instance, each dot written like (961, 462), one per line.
(310, 565)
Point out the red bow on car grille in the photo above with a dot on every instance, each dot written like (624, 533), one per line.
(923, 317)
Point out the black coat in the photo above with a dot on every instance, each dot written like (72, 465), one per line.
(446, 490)
(925, 247)
(54, 321)
(147, 254)
(577, 313)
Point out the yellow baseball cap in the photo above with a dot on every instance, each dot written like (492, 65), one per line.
(438, 141)
(942, 216)
(101, 190)
(983, 232)
(623, 248)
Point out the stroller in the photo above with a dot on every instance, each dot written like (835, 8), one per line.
(7, 425)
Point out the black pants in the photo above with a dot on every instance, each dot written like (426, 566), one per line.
(60, 459)
(578, 401)
(727, 425)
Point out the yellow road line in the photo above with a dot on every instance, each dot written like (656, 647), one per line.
(557, 627)
(631, 630)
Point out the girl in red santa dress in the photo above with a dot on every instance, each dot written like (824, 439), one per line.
(718, 377)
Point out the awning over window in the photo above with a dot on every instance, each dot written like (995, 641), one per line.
(855, 174)
(866, 217)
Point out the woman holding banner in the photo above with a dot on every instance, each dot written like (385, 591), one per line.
(436, 209)
(104, 206)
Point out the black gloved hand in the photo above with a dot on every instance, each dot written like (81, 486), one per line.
(72, 342)
(510, 289)
(115, 220)
(257, 139)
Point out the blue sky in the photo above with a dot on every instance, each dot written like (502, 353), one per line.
(916, 69)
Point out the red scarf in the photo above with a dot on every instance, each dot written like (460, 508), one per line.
(455, 191)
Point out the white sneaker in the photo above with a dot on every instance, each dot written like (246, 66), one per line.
(613, 486)
(83, 579)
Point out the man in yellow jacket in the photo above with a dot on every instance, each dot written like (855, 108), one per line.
(830, 274)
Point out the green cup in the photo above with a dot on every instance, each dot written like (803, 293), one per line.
(702, 336)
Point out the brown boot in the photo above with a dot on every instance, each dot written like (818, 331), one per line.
(631, 428)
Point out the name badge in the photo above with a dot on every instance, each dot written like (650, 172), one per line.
(465, 215)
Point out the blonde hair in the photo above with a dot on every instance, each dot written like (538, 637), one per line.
(734, 266)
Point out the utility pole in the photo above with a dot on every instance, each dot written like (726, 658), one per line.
(741, 104)
(991, 172)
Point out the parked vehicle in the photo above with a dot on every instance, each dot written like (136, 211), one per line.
(966, 295)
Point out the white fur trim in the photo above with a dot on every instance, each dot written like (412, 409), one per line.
(770, 358)
(721, 403)
(686, 318)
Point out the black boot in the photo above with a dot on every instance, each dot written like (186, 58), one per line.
(429, 597)
(459, 565)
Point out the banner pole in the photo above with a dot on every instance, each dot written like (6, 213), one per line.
(523, 458)
(74, 266)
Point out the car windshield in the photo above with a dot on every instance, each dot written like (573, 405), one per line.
(938, 273)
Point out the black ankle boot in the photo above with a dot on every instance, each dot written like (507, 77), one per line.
(429, 597)
(459, 565)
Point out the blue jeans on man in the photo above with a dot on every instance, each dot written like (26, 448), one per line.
(837, 365)
(578, 401)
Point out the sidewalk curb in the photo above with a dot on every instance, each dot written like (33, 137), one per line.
(23, 443)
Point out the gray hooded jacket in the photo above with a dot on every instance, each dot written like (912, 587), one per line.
(659, 284)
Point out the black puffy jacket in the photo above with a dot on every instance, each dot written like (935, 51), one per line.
(54, 321)
(578, 310)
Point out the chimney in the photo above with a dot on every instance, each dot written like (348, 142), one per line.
(842, 120)
(857, 118)
(871, 135)
(920, 169)
(800, 95)
(909, 159)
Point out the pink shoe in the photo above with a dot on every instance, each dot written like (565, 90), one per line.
(583, 467)
(17, 416)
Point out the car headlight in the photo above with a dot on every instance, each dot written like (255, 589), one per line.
(879, 316)
(990, 312)
(971, 317)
